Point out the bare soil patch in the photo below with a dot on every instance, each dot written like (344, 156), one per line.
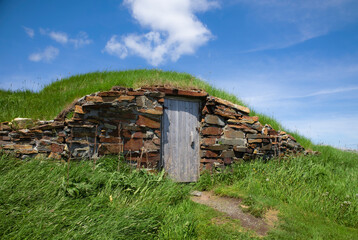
(233, 208)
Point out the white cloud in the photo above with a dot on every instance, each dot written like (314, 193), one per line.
(63, 38)
(175, 30)
(59, 37)
(47, 55)
(81, 40)
(29, 31)
(115, 48)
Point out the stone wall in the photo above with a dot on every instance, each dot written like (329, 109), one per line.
(127, 121)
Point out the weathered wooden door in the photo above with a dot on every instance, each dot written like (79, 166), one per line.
(180, 139)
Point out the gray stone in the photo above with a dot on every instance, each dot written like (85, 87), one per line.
(227, 154)
(213, 119)
(218, 147)
(235, 142)
(231, 133)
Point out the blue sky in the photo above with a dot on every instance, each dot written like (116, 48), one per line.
(294, 60)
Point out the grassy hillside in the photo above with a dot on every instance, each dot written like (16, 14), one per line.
(316, 196)
(52, 99)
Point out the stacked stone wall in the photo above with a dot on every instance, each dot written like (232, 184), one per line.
(128, 122)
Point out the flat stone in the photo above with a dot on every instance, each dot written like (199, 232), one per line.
(109, 139)
(125, 98)
(243, 127)
(232, 105)
(218, 147)
(110, 126)
(151, 111)
(196, 193)
(139, 135)
(109, 94)
(227, 154)
(212, 131)
(208, 141)
(4, 126)
(94, 99)
(231, 133)
(133, 144)
(109, 148)
(254, 141)
(236, 142)
(256, 136)
(79, 109)
(240, 149)
(210, 154)
(58, 148)
(136, 93)
(224, 114)
(213, 119)
(147, 122)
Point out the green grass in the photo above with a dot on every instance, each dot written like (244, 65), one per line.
(40, 200)
(317, 196)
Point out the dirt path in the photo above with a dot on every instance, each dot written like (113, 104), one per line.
(231, 206)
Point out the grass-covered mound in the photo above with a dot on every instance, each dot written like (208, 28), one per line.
(52, 99)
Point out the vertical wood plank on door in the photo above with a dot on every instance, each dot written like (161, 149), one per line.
(180, 157)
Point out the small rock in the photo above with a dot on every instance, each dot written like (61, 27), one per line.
(196, 193)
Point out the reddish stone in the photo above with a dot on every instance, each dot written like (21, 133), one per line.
(139, 93)
(212, 131)
(79, 110)
(4, 126)
(109, 139)
(227, 110)
(210, 154)
(54, 155)
(232, 105)
(224, 114)
(94, 99)
(208, 141)
(161, 100)
(147, 122)
(192, 93)
(57, 148)
(126, 133)
(139, 135)
(133, 144)
(272, 132)
(109, 148)
(109, 94)
(227, 160)
(151, 111)
(125, 98)
(205, 110)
